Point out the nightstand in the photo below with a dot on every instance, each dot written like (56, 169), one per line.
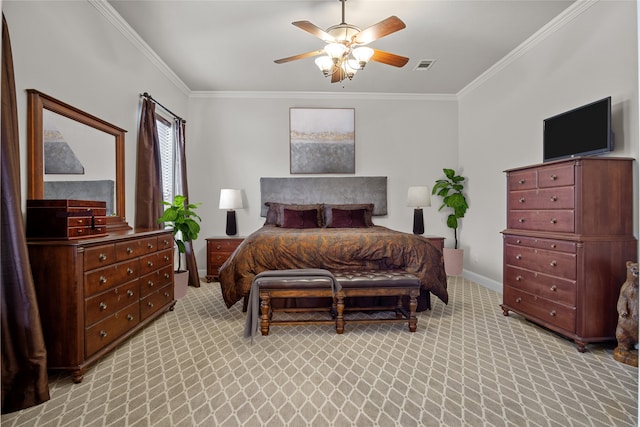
(219, 249)
(436, 241)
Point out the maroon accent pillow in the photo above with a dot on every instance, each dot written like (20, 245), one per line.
(300, 219)
(366, 207)
(351, 218)
(275, 213)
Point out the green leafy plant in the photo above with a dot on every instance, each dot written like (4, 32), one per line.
(450, 189)
(182, 218)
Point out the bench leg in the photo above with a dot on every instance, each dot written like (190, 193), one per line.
(340, 313)
(413, 304)
(399, 308)
(265, 308)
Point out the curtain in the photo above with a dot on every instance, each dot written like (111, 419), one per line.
(182, 188)
(24, 356)
(148, 171)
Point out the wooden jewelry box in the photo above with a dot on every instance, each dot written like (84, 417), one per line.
(66, 219)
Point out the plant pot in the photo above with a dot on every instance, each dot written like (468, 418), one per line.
(180, 283)
(453, 260)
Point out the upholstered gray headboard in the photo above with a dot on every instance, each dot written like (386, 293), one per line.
(335, 190)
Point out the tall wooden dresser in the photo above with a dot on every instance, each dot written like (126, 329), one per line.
(569, 234)
(95, 293)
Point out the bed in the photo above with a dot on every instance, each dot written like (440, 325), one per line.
(312, 237)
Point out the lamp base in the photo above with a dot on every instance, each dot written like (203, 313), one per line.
(231, 223)
(418, 221)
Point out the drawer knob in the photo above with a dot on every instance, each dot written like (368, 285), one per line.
(553, 246)
(554, 198)
(218, 247)
(166, 275)
(149, 245)
(103, 306)
(130, 293)
(553, 263)
(518, 241)
(150, 304)
(166, 257)
(80, 231)
(520, 220)
(150, 263)
(553, 221)
(150, 283)
(552, 313)
(102, 257)
(519, 256)
(554, 288)
(518, 278)
(129, 316)
(521, 200)
(519, 299)
(103, 280)
(521, 181)
(553, 177)
(129, 271)
(103, 333)
(166, 294)
(129, 250)
(80, 221)
(165, 242)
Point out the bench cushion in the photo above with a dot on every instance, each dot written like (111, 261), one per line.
(372, 278)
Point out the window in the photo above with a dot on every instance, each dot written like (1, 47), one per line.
(167, 157)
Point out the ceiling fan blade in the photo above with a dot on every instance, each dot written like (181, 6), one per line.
(379, 30)
(314, 30)
(389, 58)
(300, 56)
(338, 76)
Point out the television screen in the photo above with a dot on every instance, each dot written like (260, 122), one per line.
(582, 131)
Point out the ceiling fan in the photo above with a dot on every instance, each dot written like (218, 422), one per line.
(345, 52)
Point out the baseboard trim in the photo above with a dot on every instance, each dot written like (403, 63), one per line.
(483, 281)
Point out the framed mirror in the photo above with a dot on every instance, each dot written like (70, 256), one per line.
(74, 155)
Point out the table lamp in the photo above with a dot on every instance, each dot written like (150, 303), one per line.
(231, 199)
(418, 198)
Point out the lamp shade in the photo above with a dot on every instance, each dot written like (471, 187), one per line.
(230, 199)
(418, 197)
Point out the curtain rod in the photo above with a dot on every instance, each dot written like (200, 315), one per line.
(150, 98)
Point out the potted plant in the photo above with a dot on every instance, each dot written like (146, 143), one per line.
(450, 189)
(181, 217)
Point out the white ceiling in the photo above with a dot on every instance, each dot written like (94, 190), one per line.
(217, 45)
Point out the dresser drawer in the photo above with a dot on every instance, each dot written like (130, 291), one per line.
(547, 198)
(155, 301)
(557, 264)
(102, 279)
(155, 280)
(79, 232)
(549, 244)
(552, 288)
(154, 261)
(524, 180)
(561, 221)
(135, 248)
(99, 256)
(556, 176)
(165, 242)
(224, 245)
(111, 328)
(547, 311)
(107, 303)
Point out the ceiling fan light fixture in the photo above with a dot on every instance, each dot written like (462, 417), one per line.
(335, 51)
(362, 55)
(325, 64)
(350, 67)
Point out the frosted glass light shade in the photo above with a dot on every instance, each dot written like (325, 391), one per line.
(230, 199)
(418, 197)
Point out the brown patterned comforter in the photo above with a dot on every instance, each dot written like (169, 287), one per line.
(372, 248)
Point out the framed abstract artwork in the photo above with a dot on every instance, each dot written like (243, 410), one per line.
(322, 140)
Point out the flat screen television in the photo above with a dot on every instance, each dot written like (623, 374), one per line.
(583, 131)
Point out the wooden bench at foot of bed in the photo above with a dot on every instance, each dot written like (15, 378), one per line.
(379, 283)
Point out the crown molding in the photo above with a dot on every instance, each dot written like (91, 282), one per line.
(565, 17)
(121, 25)
(324, 95)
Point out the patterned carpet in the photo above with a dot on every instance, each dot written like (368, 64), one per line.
(466, 365)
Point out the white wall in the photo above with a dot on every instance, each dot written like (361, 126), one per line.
(591, 57)
(233, 141)
(70, 51)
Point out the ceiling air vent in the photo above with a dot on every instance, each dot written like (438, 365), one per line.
(424, 65)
